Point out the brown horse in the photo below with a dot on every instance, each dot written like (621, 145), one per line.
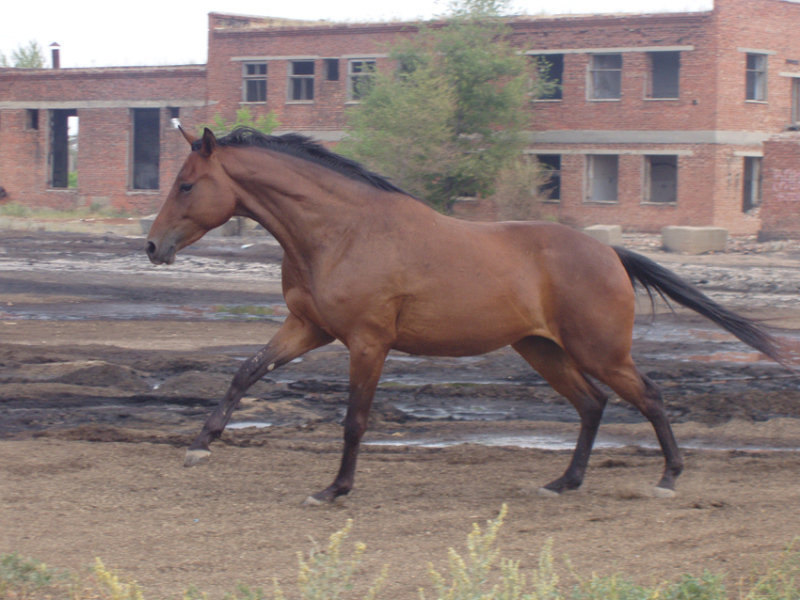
(366, 264)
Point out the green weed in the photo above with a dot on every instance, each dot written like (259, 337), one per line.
(23, 578)
(329, 572)
(781, 581)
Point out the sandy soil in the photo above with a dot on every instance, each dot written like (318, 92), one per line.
(96, 410)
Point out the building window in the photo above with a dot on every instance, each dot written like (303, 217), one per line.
(605, 77)
(664, 76)
(796, 100)
(63, 148)
(549, 76)
(174, 114)
(756, 78)
(301, 80)
(146, 148)
(254, 82)
(331, 69)
(360, 76)
(751, 192)
(550, 188)
(602, 175)
(661, 179)
(32, 119)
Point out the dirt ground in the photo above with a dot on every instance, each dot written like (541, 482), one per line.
(108, 366)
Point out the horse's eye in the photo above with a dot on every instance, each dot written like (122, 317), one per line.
(186, 187)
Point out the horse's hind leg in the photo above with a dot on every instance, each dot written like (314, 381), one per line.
(563, 375)
(640, 391)
(294, 338)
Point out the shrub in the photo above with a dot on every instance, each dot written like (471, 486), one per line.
(482, 574)
(23, 578)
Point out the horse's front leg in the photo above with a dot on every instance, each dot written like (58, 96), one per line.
(366, 364)
(294, 338)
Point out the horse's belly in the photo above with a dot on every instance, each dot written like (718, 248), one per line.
(455, 333)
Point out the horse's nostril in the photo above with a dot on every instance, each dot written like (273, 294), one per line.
(150, 248)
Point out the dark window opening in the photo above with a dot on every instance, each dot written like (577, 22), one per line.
(551, 168)
(661, 179)
(254, 76)
(606, 77)
(664, 75)
(751, 193)
(146, 149)
(549, 76)
(301, 80)
(602, 175)
(32, 119)
(63, 148)
(361, 75)
(332, 69)
(174, 116)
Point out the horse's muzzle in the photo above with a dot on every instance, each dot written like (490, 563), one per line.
(157, 256)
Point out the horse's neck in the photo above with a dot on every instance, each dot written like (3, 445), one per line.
(304, 206)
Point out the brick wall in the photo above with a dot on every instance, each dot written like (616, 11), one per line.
(710, 126)
(780, 210)
(229, 44)
(103, 99)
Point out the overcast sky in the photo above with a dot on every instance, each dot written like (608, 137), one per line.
(166, 32)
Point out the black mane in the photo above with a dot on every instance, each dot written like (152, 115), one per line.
(304, 147)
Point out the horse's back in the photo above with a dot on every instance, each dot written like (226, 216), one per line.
(491, 284)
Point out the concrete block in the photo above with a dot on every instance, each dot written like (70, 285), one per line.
(147, 222)
(694, 240)
(608, 234)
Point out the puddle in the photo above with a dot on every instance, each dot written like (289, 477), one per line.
(544, 441)
(557, 442)
(128, 311)
(248, 424)
(686, 341)
(730, 357)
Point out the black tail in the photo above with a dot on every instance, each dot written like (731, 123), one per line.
(654, 277)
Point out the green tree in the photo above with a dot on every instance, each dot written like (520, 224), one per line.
(244, 118)
(448, 120)
(28, 56)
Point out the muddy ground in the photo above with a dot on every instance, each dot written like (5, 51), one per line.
(109, 365)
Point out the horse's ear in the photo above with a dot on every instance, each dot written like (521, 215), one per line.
(187, 136)
(209, 142)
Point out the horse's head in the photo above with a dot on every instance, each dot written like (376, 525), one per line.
(201, 199)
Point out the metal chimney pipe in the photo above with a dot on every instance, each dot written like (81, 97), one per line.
(55, 54)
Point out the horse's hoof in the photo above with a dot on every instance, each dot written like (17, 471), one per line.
(311, 501)
(662, 492)
(547, 493)
(196, 457)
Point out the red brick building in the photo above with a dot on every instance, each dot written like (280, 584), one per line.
(661, 119)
